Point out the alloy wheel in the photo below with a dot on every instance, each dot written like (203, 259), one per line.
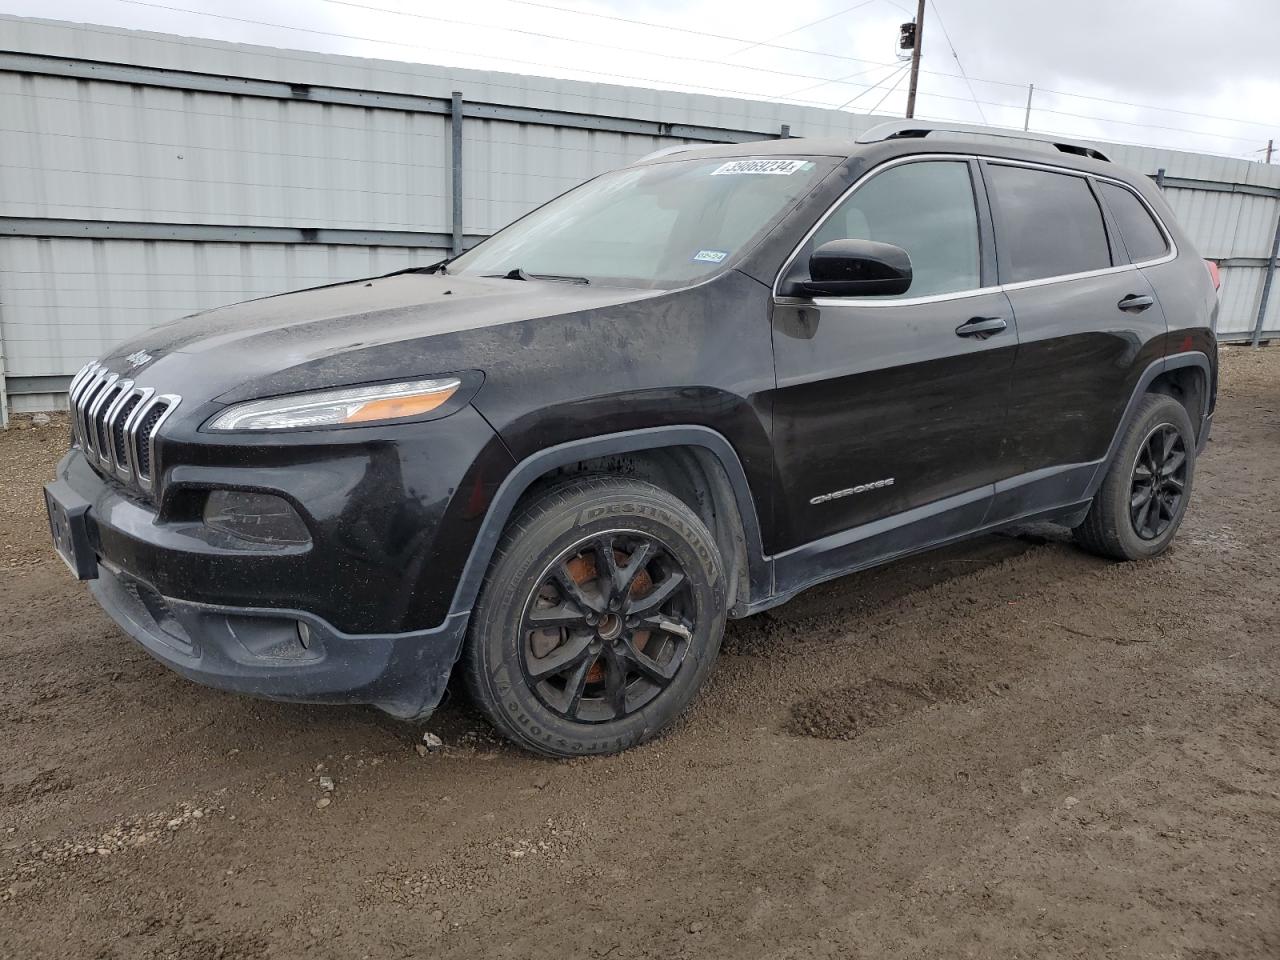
(1159, 482)
(608, 627)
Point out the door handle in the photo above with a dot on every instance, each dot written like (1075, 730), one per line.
(981, 327)
(1136, 302)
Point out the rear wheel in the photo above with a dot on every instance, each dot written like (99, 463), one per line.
(599, 620)
(1143, 498)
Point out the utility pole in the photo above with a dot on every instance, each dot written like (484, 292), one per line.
(1271, 145)
(915, 61)
(1026, 120)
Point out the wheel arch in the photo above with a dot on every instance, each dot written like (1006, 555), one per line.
(712, 482)
(1189, 385)
(1164, 375)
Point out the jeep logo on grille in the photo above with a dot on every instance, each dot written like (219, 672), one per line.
(139, 359)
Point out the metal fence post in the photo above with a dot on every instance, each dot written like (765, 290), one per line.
(455, 139)
(1267, 283)
(4, 392)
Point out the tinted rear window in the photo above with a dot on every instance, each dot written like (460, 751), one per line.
(1141, 235)
(1047, 224)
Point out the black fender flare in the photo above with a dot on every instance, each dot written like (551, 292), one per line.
(537, 465)
(1177, 361)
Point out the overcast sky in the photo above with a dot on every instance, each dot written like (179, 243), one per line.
(1187, 74)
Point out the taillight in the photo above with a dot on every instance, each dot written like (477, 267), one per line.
(1214, 274)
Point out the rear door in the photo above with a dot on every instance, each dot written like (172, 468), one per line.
(889, 404)
(1088, 325)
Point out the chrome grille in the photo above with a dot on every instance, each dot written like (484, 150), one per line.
(115, 423)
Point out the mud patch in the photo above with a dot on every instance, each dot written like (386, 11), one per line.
(24, 788)
(157, 940)
(846, 712)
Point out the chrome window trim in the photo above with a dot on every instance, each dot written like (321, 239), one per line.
(1168, 257)
(867, 302)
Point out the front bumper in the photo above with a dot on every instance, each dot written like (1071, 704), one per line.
(262, 653)
(392, 513)
(372, 590)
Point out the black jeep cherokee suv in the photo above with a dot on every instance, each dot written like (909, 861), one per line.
(684, 391)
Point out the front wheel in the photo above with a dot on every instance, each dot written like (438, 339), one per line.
(599, 620)
(1144, 495)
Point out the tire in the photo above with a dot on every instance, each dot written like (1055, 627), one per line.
(1116, 525)
(570, 654)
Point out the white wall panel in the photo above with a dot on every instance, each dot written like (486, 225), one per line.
(64, 301)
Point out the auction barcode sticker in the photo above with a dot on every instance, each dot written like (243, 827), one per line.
(776, 167)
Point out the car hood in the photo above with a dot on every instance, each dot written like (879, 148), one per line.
(409, 324)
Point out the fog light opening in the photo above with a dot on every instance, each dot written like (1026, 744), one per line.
(258, 518)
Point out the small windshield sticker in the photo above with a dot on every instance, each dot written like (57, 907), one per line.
(710, 256)
(775, 167)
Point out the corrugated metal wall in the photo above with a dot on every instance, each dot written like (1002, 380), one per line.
(129, 196)
(1239, 229)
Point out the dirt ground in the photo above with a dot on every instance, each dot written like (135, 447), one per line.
(1008, 749)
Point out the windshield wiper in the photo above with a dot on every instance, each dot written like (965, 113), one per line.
(519, 274)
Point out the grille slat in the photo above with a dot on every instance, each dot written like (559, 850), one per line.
(146, 430)
(119, 439)
(115, 423)
(86, 413)
(102, 437)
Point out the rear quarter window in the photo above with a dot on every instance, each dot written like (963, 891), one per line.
(1047, 224)
(1142, 236)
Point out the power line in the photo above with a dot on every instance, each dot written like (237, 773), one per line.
(813, 23)
(1148, 106)
(895, 76)
(613, 75)
(503, 58)
(822, 81)
(893, 68)
(888, 92)
(1086, 116)
(592, 43)
(938, 16)
(837, 56)
(692, 32)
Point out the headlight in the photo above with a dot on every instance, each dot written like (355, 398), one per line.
(350, 405)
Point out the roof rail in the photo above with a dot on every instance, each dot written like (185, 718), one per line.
(905, 129)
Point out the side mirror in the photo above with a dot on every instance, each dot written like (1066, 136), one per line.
(857, 268)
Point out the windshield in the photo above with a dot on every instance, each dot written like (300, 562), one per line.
(660, 225)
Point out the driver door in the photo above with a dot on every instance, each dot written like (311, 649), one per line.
(890, 411)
